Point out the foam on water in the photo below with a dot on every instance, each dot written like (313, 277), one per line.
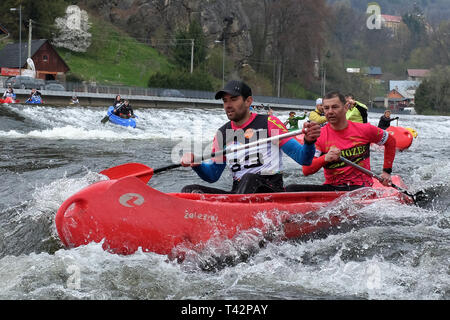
(84, 124)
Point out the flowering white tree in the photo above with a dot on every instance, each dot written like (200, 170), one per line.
(73, 30)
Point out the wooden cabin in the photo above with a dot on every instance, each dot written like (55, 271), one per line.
(48, 63)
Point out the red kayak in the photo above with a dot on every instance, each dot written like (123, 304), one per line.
(127, 214)
(8, 100)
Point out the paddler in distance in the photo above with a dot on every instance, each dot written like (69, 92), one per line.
(257, 169)
(317, 115)
(357, 111)
(293, 120)
(385, 120)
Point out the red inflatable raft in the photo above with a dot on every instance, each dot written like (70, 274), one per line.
(403, 137)
(127, 214)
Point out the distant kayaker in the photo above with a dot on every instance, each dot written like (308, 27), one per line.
(318, 115)
(34, 92)
(117, 101)
(124, 110)
(340, 137)
(385, 120)
(9, 93)
(257, 169)
(293, 120)
(357, 112)
(74, 100)
(34, 95)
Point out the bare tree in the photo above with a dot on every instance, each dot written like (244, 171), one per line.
(295, 36)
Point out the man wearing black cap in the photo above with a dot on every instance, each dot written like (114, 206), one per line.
(257, 169)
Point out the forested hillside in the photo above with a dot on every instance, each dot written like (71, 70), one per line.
(336, 34)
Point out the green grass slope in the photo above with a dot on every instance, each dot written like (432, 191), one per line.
(114, 58)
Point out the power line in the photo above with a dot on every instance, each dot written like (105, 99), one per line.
(163, 40)
(160, 42)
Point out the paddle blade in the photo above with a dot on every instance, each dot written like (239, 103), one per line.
(137, 170)
(105, 119)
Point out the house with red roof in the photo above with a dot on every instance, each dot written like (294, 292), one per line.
(391, 22)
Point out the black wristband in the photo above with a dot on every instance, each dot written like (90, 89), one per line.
(306, 142)
(387, 170)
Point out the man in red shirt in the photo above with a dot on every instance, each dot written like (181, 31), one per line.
(351, 140)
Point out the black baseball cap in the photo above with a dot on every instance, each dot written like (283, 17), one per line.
(235, 88)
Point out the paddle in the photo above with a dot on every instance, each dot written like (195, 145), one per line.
(105, 119)
(145, 173)
(419, 196)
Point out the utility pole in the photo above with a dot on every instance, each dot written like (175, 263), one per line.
(279, 79)
(223, 63)
(192, 55)
(223, 58)
(324, 80)
(20, 39)
(30, 28)
(324, 72)
(20, 36)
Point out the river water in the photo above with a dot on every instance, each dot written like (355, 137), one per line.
(391, 251)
